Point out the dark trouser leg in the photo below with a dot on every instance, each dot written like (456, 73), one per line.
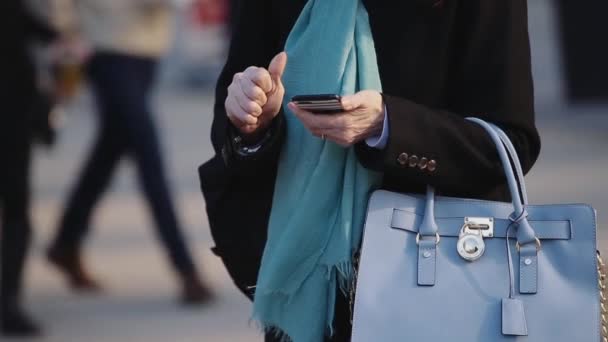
(15, 228)
(146, 150)
(92, 183)
(15, 206)
(96, 174)
(16, 236)
(124, 84)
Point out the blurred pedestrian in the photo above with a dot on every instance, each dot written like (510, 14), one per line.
(408, 73)
(128, 38)
(21, 106)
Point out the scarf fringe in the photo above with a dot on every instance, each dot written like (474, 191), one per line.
(277, 333)
(271, 328)
(343, 272)
(344, 275)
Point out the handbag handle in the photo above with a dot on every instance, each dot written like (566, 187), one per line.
(525, 233)
(528, 276)
(513, 155)
(515, 181)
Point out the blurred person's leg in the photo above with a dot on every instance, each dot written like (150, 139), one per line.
(15, 226)
(138, 78)
(93, 181)
(122, 85)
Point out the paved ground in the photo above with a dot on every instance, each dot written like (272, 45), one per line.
(139, 304)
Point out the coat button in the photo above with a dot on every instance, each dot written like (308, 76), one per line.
(432, 165)
(413, 161)
(423, 163)
(402, 159)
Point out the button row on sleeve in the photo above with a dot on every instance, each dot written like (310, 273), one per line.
(423, 163)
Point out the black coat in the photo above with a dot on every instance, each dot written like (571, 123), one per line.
(20, 28)
(440, 61)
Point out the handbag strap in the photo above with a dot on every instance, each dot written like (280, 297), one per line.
(527, 242)
(515, 181)
(517, 165)
(525, 233)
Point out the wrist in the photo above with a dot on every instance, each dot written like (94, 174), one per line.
(252, 138)
(378, 124)
(249, 144)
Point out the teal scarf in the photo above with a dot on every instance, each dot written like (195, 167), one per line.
(321, 190)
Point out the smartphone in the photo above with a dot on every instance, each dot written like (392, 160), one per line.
(319, 104)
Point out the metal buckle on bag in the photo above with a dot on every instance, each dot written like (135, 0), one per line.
(437, 239)
(536, 240)
(470, 245)
(484, 224)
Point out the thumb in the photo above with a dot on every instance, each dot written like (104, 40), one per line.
(277, 67)
(352, 102)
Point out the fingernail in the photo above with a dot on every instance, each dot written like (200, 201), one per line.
(291, 105)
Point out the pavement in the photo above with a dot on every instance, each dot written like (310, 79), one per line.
(140, 303)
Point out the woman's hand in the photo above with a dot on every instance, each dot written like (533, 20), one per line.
(363, 117)
(255, 97)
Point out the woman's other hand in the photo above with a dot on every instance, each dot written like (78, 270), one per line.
(255, 97)
(363, 117)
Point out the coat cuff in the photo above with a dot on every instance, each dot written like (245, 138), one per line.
(408, 150)
(265, 156)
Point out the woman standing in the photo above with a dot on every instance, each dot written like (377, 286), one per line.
(409, 72)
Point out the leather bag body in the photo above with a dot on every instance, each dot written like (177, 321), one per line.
(414, 285)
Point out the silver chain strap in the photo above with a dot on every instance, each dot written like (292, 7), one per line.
(601, 276)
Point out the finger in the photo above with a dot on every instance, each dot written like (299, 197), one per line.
(259, 76)
(339, 121)
(340, 137)
(237, 115)
(277, 68)
(249, 106)
(277, 65)
(306, 117)
(236, 76)
(352, 102)
(252, 91)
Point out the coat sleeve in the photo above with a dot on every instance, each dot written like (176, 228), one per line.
(491, 79)
(254, 42)
(238, 192)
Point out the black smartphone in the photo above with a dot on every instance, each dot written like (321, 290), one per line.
(319, 104)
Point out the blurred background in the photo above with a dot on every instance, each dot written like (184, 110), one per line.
(138, 300)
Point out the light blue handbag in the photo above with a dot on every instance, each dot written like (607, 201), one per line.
(451, 269)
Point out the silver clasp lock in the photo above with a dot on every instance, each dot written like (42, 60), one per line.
(470, 244)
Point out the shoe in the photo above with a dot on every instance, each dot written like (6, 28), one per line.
(194, 292)
(70, 264)
(15, 323)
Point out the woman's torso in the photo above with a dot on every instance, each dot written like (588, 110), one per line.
(432, 53)
(129, 27)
